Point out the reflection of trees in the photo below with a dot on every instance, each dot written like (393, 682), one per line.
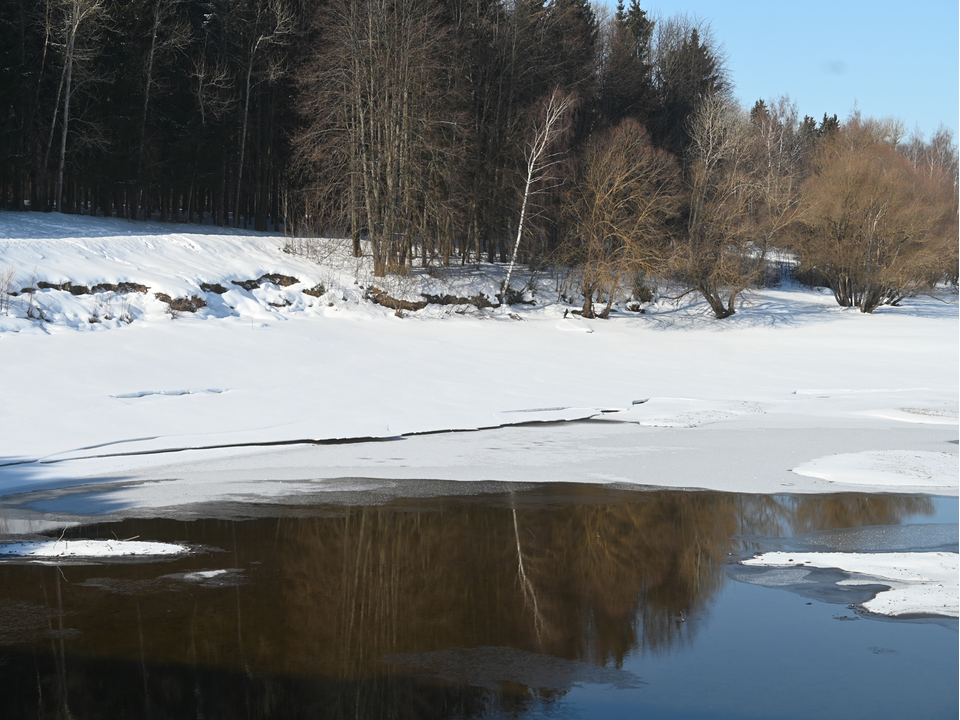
(580, 580)
(842, 511)
(577, 572)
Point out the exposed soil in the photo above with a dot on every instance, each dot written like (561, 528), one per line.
(122, 287)
(275, 278)
(380, 297)
(184, 304)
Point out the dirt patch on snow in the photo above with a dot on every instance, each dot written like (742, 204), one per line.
(121, 287)
(274, 278)
(184, 304)
(383, 298)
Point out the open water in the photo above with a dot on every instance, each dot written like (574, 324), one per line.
(557, 601)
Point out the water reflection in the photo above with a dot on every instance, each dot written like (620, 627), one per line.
(449, 607)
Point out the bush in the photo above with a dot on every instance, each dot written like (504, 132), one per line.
(876, 228)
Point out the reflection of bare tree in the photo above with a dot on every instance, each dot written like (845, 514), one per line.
(636, 568)
(526, 585)
(327, 598)
(610, 576)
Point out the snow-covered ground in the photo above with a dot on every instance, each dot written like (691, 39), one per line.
(791, 383)
(112, 402)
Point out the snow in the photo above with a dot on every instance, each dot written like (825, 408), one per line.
(112, 404)
(920, 583)
(893, 468)
(201, 575)
(271, 393)
(87, 549)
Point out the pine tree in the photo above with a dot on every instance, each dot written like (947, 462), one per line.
(687, 73)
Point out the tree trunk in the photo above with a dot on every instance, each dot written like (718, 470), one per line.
(68, 64)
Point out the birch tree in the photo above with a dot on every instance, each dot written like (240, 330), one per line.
(780, 153)
(541, 156)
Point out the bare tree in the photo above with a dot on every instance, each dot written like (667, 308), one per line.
(876, 227)
(378, 145)
(272, 24)
(717, 255)
(79, 23)
(625, 197)
(541, 157)
(167, 35)
(779, 155)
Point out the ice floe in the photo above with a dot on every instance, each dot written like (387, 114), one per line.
(54, 549)
(920, 583)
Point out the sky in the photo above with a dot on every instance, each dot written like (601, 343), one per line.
(887, 59)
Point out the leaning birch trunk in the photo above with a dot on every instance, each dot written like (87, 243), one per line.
(516, 244)
(53, 122)
(537, 162)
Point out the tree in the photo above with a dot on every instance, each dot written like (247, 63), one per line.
(938, 160)
(167, 35)
(16, 95)
(379, 147)
(619, 210)
(571, 31)
(638, 26)
(268, 23)
(717, 254)
(688, 70)
(876, 226)
(780, 153)
(541, 156)
(625, 71)
(508, 56)
(79, 25)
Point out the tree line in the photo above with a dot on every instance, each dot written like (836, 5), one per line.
(148, 108)
(439, 131)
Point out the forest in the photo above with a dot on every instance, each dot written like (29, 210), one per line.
(431, 132)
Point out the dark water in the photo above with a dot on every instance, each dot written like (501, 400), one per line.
(559, 601)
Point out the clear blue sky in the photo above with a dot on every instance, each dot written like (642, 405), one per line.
(891, 59)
